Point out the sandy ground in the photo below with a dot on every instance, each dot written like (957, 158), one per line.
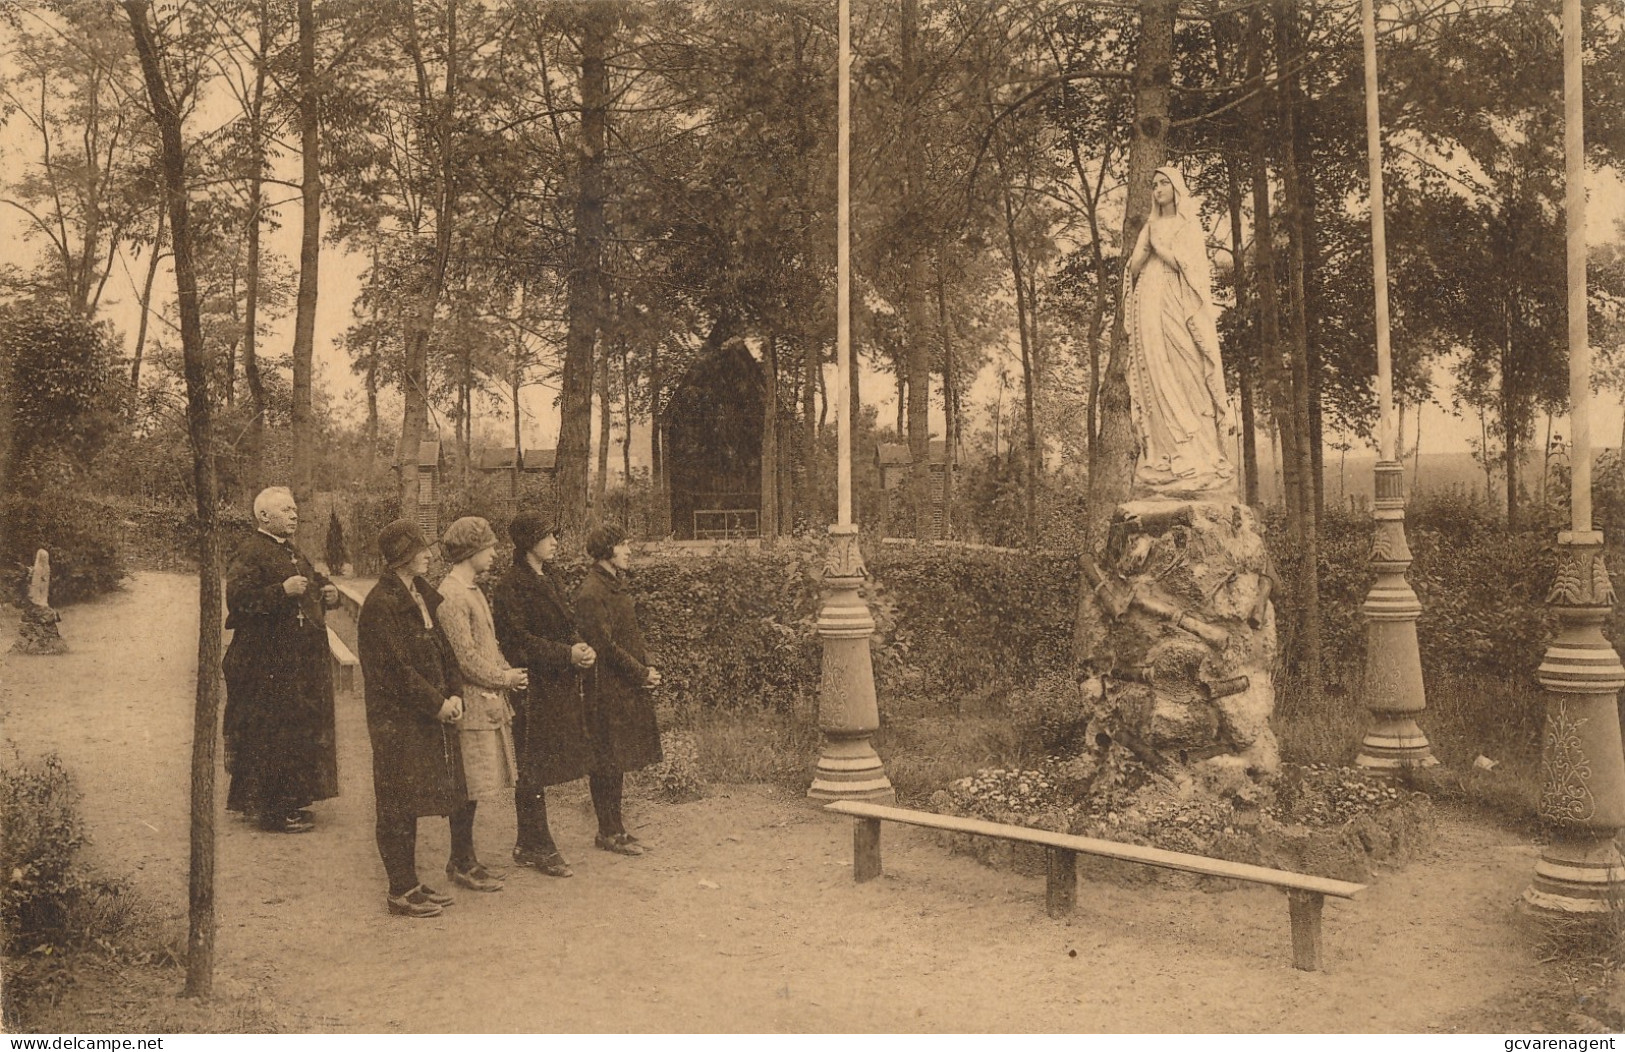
(743, 917)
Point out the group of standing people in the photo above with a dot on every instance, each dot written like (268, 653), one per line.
(466, 698)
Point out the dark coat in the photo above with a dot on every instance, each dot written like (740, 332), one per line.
(279, 683)
(410, 671)
(620, 710)
(536, 629)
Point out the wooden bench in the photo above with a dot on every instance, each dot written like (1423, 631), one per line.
(1305, 894)
(352, 593)
(344, 663)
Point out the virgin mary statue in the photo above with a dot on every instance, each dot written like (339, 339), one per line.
(1176, 380)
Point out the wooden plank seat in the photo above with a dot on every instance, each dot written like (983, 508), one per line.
(352, 593)
(344, 663)
(1306, 894)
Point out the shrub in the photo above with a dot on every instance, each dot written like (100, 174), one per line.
(677, 776)
(83, 542)
(164, 536)
(40, 834)
(61, 373)
(1051, 714)
(370, 513)
(337, 552)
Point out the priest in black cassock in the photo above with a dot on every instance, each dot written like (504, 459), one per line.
(279, 682)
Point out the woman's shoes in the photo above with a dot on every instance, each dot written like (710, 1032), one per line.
(473, 876)
(439, 898)
(550, 863)
(416, 903)
(292, 822)
(620, 843)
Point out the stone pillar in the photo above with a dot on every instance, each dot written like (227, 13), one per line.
(1178, 629)
(1393, 662)
(37, 634)
(1582, 800)
(848, 767)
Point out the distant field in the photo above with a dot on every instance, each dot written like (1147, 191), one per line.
(1349, 479)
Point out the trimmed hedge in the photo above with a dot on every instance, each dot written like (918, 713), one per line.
(738, 629)
(1483, 590)
(733, 630)
(967, 620)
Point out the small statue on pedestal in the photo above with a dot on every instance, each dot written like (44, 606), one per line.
(37, 634)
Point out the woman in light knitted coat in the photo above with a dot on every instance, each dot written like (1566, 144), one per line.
(485, 732)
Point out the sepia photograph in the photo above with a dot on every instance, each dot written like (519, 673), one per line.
(798, 517)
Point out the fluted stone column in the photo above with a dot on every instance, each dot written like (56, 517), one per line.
(848, 767)
(1393, 661)
(1582, 800)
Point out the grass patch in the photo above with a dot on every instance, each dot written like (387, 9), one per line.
(88, 992)
(754, 747)
(1467, 716)
(923, 750)
(926, 753)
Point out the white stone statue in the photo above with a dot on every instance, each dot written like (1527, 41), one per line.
(1176, 380)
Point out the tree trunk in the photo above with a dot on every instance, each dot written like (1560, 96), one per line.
(587, 292)
(770, 436)
(1511, 416)
(657, 448)
(810, 502)
(1244, 379)
(606, 400)
(518, 381)
(916, 344)
(1309, 545)
(415, 382)
(371, 375)
(199, 426)
(146, 313)
(998, 415)
(310, 248)
(950, 395)
(1545, 457)
(1024, 334)
(254, 436)
(465, 396)
(1277, 383)
(626, 416)
(1111, 457)
(1416, 454)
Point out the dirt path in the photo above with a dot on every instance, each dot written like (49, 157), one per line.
(743, 916)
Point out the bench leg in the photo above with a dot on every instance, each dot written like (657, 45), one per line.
(1061, 881)
(1305, 907)
(865, 849)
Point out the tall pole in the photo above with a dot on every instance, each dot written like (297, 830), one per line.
(848, 766)
(843, 272)
(1394, 691)
(1582, 801)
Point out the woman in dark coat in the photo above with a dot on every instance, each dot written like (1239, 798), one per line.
(414, 700)
(620, 712)
(536, 630)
